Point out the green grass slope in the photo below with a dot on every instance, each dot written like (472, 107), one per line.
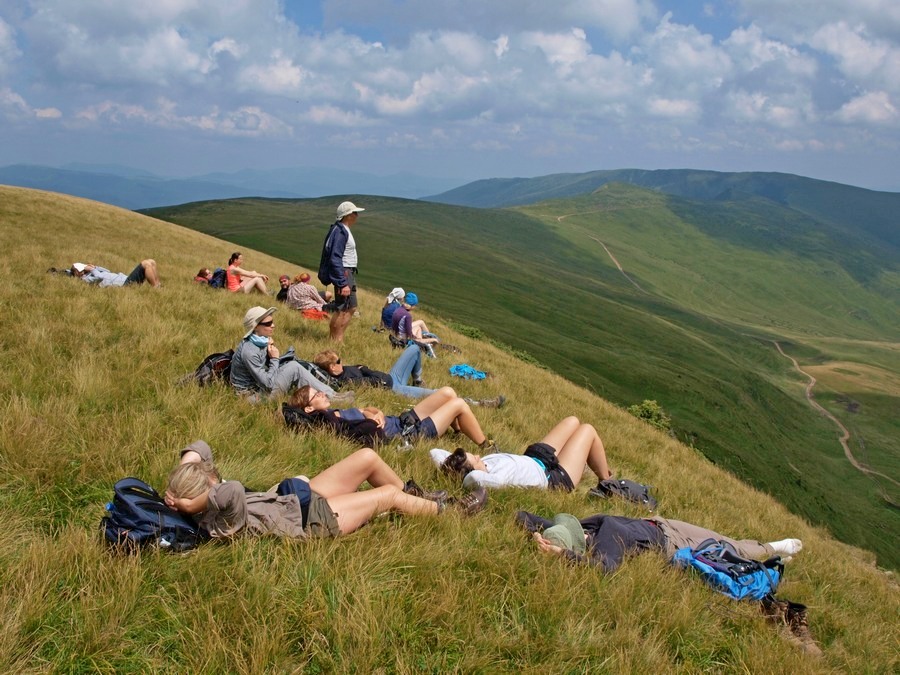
(691, 329)
(89, 397)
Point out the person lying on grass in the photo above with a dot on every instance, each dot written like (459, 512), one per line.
(94, 274)
(430, 417)
(556, 462)
(604, 540)
(408, 365)
(326, 505)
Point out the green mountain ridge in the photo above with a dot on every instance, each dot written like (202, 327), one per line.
(706, 289)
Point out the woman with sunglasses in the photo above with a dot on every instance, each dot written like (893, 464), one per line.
(258, 367)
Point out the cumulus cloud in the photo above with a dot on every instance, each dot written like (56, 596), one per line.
(9, 51)
(242, 121)
(875, 107)
(14, 108)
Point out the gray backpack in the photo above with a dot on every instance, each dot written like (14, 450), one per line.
(627, 489)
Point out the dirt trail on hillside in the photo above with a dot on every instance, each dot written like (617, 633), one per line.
(845, 434)
(559, 219)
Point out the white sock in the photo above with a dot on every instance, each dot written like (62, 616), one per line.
(786, 546)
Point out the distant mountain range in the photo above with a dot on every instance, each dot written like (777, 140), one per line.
(835, 203)
(133, 188)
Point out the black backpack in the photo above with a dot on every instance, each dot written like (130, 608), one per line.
(627, 489)
(137, 517)
(364, 431)
(321, 374)
(217, 280)
(214, 368)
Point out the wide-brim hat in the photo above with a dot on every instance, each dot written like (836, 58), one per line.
(253, 317)
(566, 532)
(79, 267)
(346, 208)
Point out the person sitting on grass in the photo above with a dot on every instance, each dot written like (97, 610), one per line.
(391, 303)
(403, 326)
(285, 282)
(327, 505)
(239, 279)
(604, 540)
(258, 367)
(430, 418)
(556, 462)
(94, 274)
(302, 295)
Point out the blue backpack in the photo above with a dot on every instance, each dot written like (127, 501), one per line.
(137, 517)
(217, 280)
(720, 566)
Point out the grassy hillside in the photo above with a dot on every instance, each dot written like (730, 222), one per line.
(692, 328)
(89, 397)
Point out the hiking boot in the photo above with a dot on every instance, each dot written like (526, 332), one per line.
(497, 402)
(488, 446)
(469, 504)
(414, 489)
(418, 383)
(798, 623)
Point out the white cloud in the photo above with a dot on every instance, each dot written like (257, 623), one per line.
(674, 108)
(280, 76)
(875, 107)
(799, 18)
(242, 121)
(859, 57)
(14, 108)
(9, 51)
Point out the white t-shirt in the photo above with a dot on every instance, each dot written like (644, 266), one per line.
(349, 259)
(503, 470)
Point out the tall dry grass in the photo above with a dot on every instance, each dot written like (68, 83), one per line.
(88, 396)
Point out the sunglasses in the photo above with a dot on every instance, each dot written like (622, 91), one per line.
(266, 323)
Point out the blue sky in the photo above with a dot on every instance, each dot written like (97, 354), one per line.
(463, 88)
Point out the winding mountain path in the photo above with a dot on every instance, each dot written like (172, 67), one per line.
(559, 219)
(845, 434)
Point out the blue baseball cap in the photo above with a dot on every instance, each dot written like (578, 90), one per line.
(412, 299)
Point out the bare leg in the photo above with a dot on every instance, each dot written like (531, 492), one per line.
(356, 509)
(434, 402)
(559, 435)
(256, 283)
(584, 446)
(346, 476)
(458, 411)
(151, 272)
(338, 325)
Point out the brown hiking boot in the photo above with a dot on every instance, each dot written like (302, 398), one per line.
(793, 618)
(414, 489)
(469, 504)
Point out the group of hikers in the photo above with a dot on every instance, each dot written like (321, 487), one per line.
(330, 503)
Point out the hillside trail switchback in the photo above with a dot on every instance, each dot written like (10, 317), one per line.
(845, 433)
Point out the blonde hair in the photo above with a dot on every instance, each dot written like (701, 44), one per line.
(192, 479)
(327, 358)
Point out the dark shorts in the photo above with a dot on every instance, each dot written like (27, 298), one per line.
(137, 276)
(557, 477)
(322, 520)
(346, 303)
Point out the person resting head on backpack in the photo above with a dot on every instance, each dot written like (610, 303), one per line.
(258, 366)
(408, 365)
(604, 540)
(203, 276)
(327, 505)
(430, 417)
(556, 462)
